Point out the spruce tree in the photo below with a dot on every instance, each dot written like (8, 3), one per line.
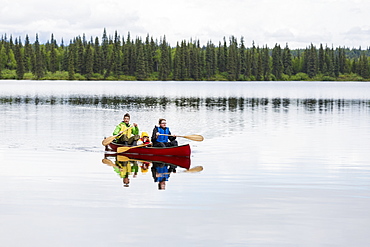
(53, 58)
(141, 67)
(277, 64)
(39, 63)
(287, 61)
(71, 62)
(89, 60)
(19, 59)
(164, 66)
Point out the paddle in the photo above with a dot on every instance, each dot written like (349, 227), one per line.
(195, 169)
(108, 162)
(125, 149)
(197, 138)
(109, 139)
(191, 170)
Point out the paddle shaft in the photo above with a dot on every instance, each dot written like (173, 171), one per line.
(109, 139)
(125, 149)
(197, 138)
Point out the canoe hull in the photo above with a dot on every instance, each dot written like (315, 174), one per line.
(180, 161)
(183, 151)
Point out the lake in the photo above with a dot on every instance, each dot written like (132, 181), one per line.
(284, 164)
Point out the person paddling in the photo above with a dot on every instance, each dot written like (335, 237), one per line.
(129, 134)
(163, 140)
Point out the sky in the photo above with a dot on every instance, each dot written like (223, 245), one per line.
(298, 23)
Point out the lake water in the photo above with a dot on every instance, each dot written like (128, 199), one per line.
(284, 164)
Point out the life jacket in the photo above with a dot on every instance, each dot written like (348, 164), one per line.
(165, 131)
(125, 129)
(146, 142)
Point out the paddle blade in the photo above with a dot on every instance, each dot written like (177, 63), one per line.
(195, 169)
(107, 162)
(122, 158)
(108, 140)
(197, 138)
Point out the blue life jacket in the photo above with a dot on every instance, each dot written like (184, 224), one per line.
(163, 174)
(163, 131)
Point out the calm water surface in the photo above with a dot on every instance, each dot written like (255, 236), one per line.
(285, 164)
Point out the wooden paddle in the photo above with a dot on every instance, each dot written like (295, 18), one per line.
(108, 162)
(191, 170)
(197, 138)
(109, 139)
(195, 169)
(125, 149)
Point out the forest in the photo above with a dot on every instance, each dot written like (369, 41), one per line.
(125, 58)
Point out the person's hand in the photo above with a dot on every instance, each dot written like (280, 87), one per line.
(135, 124)
(174, 135)
(157, 134)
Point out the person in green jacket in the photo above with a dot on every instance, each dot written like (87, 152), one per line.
(129, 134)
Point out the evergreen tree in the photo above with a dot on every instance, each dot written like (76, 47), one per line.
(321, 60)
(39, 63)
(233, 60)
(266, 67)
(311, 57)
(53, 57)
(277, 64)
(89, 60)
(19, 59)
(141, 72)
(28, 55)
(71, 63)
(287, 61)
(177, 63)
(259, 76)
(164, 66)
(3, 58)
(254, 61)
(98, 59)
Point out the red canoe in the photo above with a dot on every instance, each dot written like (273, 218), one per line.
(181, 161)
(183, 151)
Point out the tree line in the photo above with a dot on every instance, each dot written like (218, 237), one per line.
(125, 58)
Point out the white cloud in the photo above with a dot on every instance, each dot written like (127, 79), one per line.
(296, 22)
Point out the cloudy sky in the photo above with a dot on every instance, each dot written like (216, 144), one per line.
(266, 22)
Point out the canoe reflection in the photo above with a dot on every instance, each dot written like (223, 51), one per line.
(160, 167)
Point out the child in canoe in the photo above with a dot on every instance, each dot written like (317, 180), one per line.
(144, 138)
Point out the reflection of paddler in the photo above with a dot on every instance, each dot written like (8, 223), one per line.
(123, 169)
(160, 173)
(144, 168)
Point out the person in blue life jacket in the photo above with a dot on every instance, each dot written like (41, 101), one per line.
(129, 134)
(163, 140)
(161, 173)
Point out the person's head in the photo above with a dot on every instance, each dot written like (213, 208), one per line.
(162, 122)
(126, 118)
(126, 181)
(162, 185)
(144, 135)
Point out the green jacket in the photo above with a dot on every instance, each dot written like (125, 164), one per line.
(122, 127)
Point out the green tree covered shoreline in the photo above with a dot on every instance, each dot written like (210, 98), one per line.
(116, 58)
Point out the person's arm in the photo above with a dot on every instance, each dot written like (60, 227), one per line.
(154, 135)
(171, 138)
(117, 130)
(135, 130)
